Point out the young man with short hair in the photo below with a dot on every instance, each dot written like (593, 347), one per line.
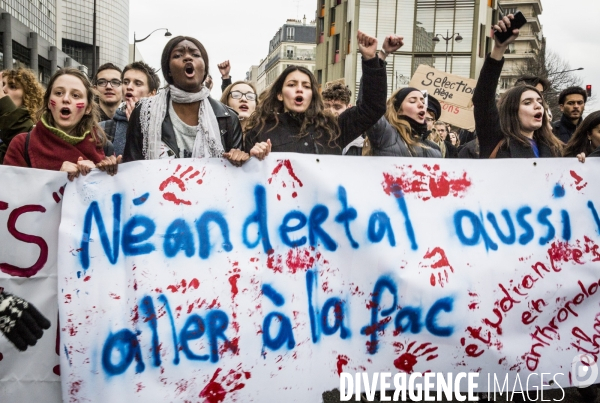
(336, 99)
(139, 81)
(572, 103)
(108, 84)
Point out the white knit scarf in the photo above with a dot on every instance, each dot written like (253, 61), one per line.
(152, 114)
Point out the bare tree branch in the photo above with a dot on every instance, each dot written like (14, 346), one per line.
(550, 65)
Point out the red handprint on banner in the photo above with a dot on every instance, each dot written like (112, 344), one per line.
(441, 263)
(180, 181)
(216, 391)
(407, 361)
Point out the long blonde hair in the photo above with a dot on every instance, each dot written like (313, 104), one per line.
(401, 125)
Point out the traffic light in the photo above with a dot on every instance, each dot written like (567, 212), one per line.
(588, 90)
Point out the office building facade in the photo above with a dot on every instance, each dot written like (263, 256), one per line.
(45, 35)
(418, 21)
(75, 33)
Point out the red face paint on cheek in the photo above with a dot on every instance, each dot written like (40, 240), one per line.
(80, 105)
(52, 103)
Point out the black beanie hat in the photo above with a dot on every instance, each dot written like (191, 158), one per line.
(434, 106)
(399, 98)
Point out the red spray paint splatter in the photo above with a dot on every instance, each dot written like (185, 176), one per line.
(233, 281)
(135, 315)
(341, 361)
(139, 386)
(86, 279)
(427, 183)
(290, 169)
(274, 262)
(300, 259)
(578, 180)
(67, 298)
(563, 252)
(75, 387)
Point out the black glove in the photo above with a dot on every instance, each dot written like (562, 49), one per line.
(20, 321)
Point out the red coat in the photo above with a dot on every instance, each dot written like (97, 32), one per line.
(48, 151)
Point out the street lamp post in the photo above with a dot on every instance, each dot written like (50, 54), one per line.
(447, 38)
(94, 62)
(143, 39)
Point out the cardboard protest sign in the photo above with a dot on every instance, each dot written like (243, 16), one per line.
(453, 92)
(458, 116)
(195, 280)
(30, 207)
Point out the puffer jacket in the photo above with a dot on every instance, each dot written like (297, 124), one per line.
(387, 142)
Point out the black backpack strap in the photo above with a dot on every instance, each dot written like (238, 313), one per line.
(26, 150)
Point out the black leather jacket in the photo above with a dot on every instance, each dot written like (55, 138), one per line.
(229, 125)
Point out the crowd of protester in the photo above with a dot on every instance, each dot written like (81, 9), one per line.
(123, 115)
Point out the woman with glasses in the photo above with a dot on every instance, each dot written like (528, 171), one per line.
(292, 115)
(184, 121)
(241, 97)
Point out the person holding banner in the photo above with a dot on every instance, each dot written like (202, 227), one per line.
(586, 138)
(183, 121)
(292, 114)
(518, 126)
(402, 132)
(67, 136)
(20, 322)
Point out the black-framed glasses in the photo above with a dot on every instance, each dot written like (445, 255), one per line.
(250, 96)
(104, 82)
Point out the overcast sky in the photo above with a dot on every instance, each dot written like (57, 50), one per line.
(241, 30)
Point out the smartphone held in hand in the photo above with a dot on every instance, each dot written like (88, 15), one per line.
(516, 23)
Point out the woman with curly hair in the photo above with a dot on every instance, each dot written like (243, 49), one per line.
(66, 137)
(292, 118)
(20, 99)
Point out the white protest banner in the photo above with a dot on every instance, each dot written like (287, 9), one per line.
(30, 207)
(195, 280)
(454, 93)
